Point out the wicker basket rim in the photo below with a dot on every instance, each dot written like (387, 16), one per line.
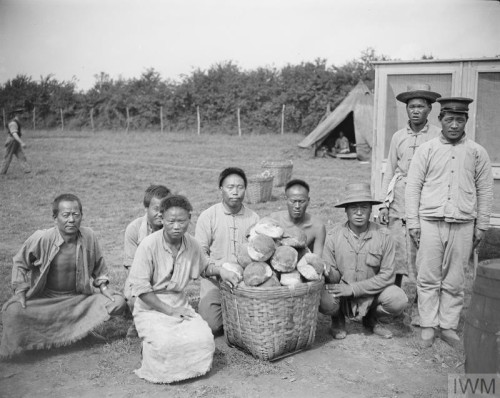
(259, 178)
(264, 293)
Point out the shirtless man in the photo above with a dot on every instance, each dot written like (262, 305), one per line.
(57, 300)
(297, 195)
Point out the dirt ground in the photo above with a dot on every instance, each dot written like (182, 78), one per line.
(362, 365)
(109, 172)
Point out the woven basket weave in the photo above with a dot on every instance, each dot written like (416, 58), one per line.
(271, 322)
(280, 169)
(259, 188)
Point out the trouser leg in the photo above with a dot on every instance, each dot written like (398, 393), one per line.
(429, 260)
(22, 159)
(9, 153)
(210, 306)
(390, 302)
(455, 259)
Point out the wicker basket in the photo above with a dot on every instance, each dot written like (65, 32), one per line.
(271, 322)
(281, 169)
(259, 188)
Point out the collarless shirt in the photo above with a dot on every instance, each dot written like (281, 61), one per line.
(451, 182)
(136, 231)
(220, 232)
(155, 268)
(39, 250)
(404, 143)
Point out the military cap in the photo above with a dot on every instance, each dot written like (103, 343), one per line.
(455, 104)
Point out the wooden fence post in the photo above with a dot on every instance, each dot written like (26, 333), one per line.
(92, 118)
(283, 120)
(62, 120)
(239, 122)
(199, 119)
(161, 119)
(34, 118)
(4, 120)
(128, 119)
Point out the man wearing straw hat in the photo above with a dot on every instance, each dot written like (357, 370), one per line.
(418, 99)
(360, 279)
(448, 204)
(14, 144)
(220, 230)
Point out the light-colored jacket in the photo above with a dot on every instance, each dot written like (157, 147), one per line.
(450, 182)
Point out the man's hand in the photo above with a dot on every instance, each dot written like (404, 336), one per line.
(340, 290)
(383, 216)
(478, 237)
(182, 313)
(229, 276)
(415, 236)
(106, 292)
(23, 145)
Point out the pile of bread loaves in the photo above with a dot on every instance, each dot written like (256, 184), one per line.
(276, 256)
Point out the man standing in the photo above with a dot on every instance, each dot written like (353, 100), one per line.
(136, 231)
(14, 144)
(360, 280)
(297, 201)
(221, 229)
(404, 142)
(54, 276)
(448, 197)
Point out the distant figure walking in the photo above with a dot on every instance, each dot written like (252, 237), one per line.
(342, 144)
(14, 144)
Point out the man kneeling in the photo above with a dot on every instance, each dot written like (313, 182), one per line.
(360, 281)
(56, 304)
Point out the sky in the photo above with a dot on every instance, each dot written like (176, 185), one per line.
(79, 39)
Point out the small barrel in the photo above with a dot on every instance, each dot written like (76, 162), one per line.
(482, 323)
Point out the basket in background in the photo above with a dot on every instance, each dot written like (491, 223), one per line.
(280, 169)
(271, 322)
(259, 188)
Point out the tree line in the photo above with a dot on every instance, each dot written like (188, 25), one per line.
(215, 96)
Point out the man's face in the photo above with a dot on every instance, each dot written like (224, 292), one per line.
(153, 213)
(418, 110)
(453, 125)
(68, 218)
(297, 201)
(359, 213)
(175, 223)
(233, 191)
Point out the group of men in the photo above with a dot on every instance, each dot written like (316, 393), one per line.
(439, 194)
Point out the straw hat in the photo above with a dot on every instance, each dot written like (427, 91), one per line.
(357, 193)
(418, 91)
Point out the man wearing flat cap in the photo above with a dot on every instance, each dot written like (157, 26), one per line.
(14, 144)
(418, 99)
(220, 230)
(360, 276)
(449, 196)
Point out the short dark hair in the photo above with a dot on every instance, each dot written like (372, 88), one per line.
(229, 171)
(175, 201)
(442, 113)
(429, 103)
(296, 181)
(65, 197)
(155, 191)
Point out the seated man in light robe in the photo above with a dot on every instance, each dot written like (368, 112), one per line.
(177, 343)
(56, 304)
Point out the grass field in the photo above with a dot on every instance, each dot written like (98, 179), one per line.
(109, 171)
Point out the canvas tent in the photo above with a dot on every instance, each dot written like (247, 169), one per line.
(354, 117)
